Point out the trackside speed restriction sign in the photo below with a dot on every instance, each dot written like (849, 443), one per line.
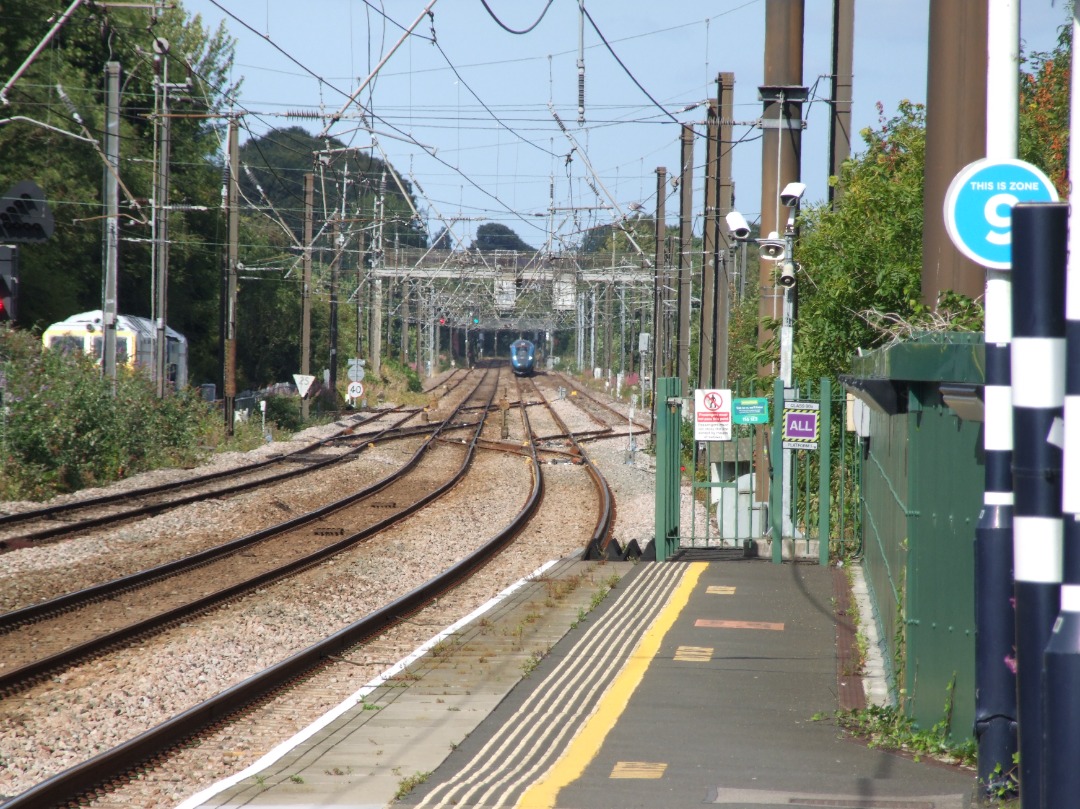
(355, 390)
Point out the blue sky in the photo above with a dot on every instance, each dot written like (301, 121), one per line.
(498, 150)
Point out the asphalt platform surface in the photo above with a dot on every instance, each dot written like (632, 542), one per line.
(709, 680)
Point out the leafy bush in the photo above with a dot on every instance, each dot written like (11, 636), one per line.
(393, 368)
(65, 427)
(284, 411)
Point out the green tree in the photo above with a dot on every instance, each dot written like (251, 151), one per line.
(1044, 110)
(273, 177)
(616, 237)
(493, 236)
(269, 296)
(64, 275)
(861, 263)
(866, 255)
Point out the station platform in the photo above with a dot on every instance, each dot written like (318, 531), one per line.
(694, 682)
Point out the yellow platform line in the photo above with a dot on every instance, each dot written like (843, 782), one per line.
(585, 746)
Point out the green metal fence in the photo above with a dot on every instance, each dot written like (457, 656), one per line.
(922, 493)
(722, 475)
(803, 507)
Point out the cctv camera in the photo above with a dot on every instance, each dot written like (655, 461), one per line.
(773, 247)
(792, 193)
(787, 274)
(736, 223)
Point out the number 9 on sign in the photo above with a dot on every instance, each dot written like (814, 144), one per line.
(978, 207)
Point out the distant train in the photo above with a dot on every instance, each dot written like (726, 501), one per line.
(523, 357)
(134, 343)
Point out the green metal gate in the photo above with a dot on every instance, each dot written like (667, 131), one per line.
(802, 506)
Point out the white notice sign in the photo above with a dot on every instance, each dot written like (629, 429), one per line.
(712, 415)
(303, 383)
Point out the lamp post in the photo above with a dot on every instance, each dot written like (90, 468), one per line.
(790, 197)
(780, 250)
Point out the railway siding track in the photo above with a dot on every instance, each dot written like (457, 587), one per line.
(126, 760)
(600, 410)
(63, 519)
(600, 545)
(23, 528)
(35, 643)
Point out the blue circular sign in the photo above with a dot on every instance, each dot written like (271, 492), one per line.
(978, 205)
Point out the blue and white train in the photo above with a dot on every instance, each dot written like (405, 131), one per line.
(523, 357)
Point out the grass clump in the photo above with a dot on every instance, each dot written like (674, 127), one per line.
(889, 728)
(409, 783)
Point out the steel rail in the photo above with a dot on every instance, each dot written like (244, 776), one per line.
(16, 678)
(597, 547)
(347, 432)
(158, 507)
(125, 759)
(642, 428)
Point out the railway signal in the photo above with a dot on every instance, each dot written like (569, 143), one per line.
(24, 216)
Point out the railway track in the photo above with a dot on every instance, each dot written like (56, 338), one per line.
(356, 432)
(44, 638)
(600, 410)
(113, 765)
(600, 545)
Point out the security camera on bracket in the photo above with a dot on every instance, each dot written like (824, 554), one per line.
(737, 224)
(792, 193)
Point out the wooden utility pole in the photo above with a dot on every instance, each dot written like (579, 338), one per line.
(112, 218)
(405, 322)
(660, 282)
(419, 307)
(686, 236)
(334, 262)
(377, 262)
(724, 205)
(608, 353)
(230, 285)
(781, 142)
(161, 229)
(305, 289)
(955, 136)
(706, 354)
(782, 95)
(840, 120)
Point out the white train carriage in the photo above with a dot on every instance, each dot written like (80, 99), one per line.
(135, 337)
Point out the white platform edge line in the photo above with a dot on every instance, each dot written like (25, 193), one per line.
(353, 700)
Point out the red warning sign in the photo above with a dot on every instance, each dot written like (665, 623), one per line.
(712, 415)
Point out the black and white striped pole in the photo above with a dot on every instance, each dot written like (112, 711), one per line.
(995, 683)
(1038, 393)
(1061, 775)
(1062, 662)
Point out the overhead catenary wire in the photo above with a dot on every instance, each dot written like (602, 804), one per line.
(498, 120)
(507, 28)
